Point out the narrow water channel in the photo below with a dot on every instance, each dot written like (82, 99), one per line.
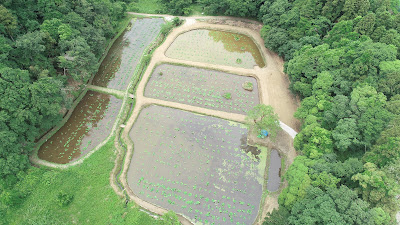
(274, 179)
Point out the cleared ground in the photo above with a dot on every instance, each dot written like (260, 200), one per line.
(199, 166)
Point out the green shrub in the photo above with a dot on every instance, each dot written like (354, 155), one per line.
(227, 96)
(248, 86)
(64, 199)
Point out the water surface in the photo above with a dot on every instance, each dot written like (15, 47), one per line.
(216, 47)
(274, 172)
(90, 123)
(195, 165)
(118, 66)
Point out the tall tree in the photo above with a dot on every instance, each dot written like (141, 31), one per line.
(262, 117)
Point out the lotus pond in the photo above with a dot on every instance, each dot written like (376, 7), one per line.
(195, 165)
(216, 47)
(202, 88)
(90, 123)
(120, 63)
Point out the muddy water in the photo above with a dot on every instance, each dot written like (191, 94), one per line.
(194, 165)
(202, 88)
(274, 179)
(90, 123)
(216, 47)
(117, 68)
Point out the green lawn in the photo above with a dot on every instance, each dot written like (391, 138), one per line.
(94, 201)
(156, 7)
(146, 6)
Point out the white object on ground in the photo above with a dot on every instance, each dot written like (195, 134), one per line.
(288, 129)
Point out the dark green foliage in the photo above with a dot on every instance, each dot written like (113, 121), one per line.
(314, 141)
(262, 117)
(342, 60)
(178, 7)
(64, 199)
(377, 187)
(27, 109)
(334, 206)
(242, 8)
(277, 217)
(227, 96)
(298, 180)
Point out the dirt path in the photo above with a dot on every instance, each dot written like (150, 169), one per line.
(273, 85)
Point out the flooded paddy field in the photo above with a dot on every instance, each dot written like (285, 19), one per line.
(202, 88)
(216, 47)
(119, 65)
(196, 165)
(90, 123)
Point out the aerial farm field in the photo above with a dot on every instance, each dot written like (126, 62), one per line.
(89, 124)
(182, 158)
(196, 165)
(118, 66)
(204, 88)
(93, 118)
(216, 47)
(178, 159)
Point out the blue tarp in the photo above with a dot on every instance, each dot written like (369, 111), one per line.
(264, 133)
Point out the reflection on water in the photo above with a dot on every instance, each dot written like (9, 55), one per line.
(124, 55)
(216, 47)
(274, 179)
(90, 123)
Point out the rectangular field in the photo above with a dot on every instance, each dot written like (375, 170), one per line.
(202, 88)
(90, 123)
(216, 47)
(119, 65)
(195, 165)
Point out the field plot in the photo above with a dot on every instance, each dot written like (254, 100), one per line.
(90, 123)
(203, 88)
(199, 166)
(216, 47)
(118, 66)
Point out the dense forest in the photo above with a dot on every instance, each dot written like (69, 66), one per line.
(342, 58)
(47, 50)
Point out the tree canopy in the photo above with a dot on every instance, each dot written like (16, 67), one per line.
(262, 117)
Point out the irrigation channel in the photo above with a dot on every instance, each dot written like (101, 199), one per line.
(191, 154)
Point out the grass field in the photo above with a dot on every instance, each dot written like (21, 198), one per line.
(94, 201)
(146, 6)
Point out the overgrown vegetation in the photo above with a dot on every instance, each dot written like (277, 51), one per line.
(263, 117)
(81, 195)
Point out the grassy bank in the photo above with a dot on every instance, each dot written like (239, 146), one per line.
(93, 200)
